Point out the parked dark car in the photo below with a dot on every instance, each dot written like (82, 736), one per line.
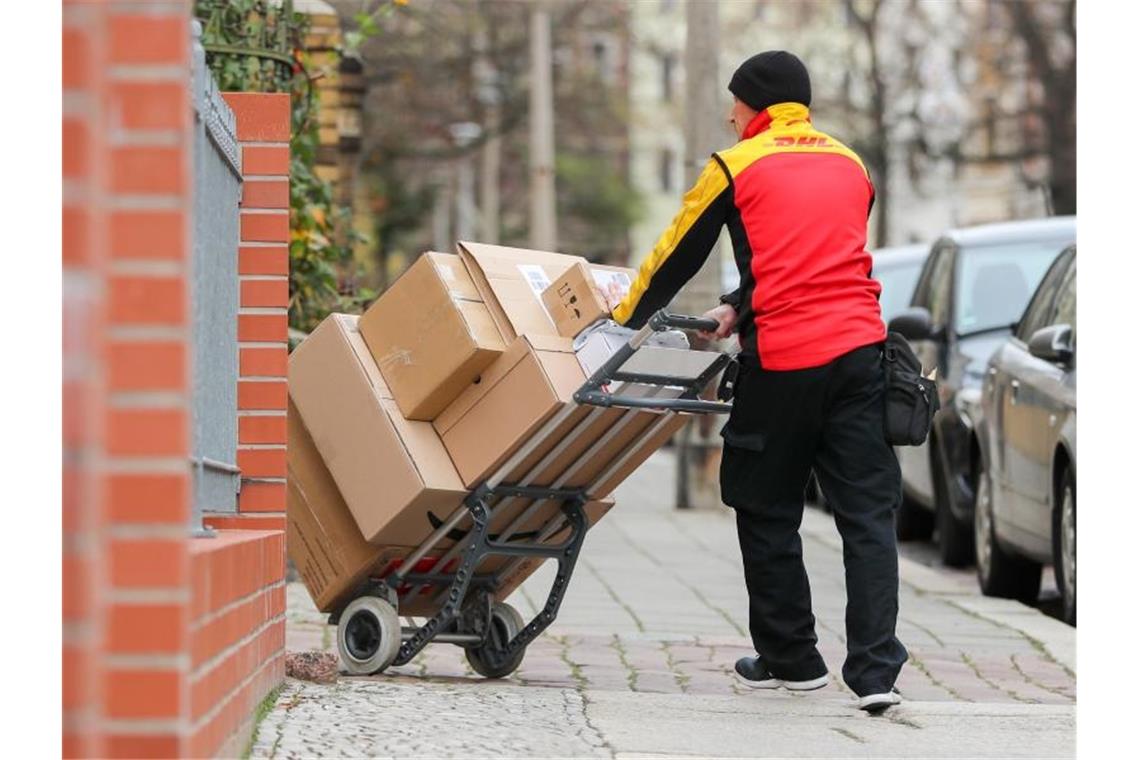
(972, 290)
(897, 269)
(1026, 510)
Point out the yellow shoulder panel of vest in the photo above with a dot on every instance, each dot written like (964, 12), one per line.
(710, 184)
(793, 139)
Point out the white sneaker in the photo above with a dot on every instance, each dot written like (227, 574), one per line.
(876, 703)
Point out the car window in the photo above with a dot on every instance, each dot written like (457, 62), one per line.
(938, 301)
(1065, 311)
(995, 282)
(898, 281)
(1039, 312)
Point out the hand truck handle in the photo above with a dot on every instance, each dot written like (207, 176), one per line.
(663, 320)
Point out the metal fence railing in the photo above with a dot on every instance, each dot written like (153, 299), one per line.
(215, 296)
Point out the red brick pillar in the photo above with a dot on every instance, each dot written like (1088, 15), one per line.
(237, 631)
(127, 213)
(263, 126)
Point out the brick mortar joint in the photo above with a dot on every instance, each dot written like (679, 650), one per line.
(212, 615)
(216, 710)
(205, 669)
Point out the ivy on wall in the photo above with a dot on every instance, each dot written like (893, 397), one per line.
(256, 46)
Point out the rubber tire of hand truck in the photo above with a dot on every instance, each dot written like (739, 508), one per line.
(506, 623)
(368, 635)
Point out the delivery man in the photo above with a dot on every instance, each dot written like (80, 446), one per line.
(810, 392)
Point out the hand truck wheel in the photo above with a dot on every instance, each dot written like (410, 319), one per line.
(506, 623)
(368, 635)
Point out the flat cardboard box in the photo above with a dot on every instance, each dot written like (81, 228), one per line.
(430, 334)
(511, 282)
(584, 294)
(392, 472)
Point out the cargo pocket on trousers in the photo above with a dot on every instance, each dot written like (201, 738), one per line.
(738, 465)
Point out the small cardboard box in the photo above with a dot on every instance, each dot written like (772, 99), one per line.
(584, 294)
(511, 282)
(533, 378)
(430, 334)
(392, 472)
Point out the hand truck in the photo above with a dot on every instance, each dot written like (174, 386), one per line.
(369, 635)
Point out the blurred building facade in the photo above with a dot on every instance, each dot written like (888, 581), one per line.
(959, 129)
(446, 128)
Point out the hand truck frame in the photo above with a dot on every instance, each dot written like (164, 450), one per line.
(369, 635)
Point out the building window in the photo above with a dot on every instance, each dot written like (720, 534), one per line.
(665, 170)
(668, 66)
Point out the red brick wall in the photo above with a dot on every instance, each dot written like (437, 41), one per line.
(168, 642)
(263, 323)
(237, 638)
(126, 218)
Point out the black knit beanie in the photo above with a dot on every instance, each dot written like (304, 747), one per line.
(774, 76)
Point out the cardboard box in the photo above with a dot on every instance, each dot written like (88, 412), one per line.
(533, 378)
(330, 552)
(423, 605)
(430, 334)
(392, 472)
(322, 537)
(584, 294)
(511, 282)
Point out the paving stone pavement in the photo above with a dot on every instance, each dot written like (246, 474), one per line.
(639, 663)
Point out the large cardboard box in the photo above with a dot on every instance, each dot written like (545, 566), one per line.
(430, 334)
(322, 537)
(335, 561)
(511, 282)
(392, 472)
(585, 293)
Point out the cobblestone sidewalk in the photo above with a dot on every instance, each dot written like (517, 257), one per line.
(639, 661)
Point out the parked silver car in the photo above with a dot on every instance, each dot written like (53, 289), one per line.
(972, 290)
(1026, 510)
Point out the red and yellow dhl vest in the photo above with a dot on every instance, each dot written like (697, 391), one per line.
(796, 202)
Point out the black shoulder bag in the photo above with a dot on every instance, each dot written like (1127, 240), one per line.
(911, 400)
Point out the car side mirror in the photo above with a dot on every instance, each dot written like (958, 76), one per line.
(913, 323)
(1053, 344)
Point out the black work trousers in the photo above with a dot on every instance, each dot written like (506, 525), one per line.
(783, 424)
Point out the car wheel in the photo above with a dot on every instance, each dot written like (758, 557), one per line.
(913, 522)
(955, 540)
(1000, 573)
(1065, 545)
